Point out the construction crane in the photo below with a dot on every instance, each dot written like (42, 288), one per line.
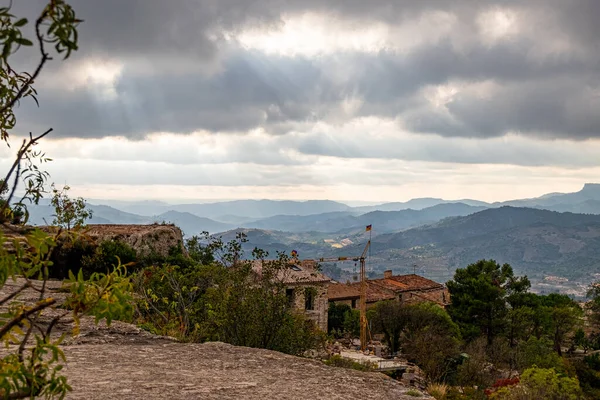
(363, 291)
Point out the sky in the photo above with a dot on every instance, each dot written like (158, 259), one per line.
(384, 100)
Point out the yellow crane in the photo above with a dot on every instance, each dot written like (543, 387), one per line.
(363, 291)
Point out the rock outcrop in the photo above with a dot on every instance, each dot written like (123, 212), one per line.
(144, 239)
(122, 361)
(214, 371)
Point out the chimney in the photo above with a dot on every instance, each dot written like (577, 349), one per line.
(388, 274)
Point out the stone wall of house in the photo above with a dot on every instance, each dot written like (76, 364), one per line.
(320, 302)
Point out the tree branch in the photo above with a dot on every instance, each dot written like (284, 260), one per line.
(17, 320)
(45, 57)
(15, 293)
(24, 147)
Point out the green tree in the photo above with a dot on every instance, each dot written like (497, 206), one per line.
(565, 316)
(352, 323)
(541, 383)
(593, 305)
(390, 318)
(582, 340)
(431, 339)
(69, 213)
(539, 353)
(479, 296)
(335, 317)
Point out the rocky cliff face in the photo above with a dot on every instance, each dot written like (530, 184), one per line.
(142, 238)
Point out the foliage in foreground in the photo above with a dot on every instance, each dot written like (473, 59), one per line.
(226, 301)
(31, 366)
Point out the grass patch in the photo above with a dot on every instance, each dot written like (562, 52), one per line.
(341, 362)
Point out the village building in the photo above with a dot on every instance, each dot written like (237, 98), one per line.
(404, 288)
(306, 288)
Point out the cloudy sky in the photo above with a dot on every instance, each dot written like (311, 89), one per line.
(375, 100)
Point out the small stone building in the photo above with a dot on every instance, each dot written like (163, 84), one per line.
(306, 288)
(404, 288)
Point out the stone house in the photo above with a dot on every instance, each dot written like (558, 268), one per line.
(306, 288)
(404, 288)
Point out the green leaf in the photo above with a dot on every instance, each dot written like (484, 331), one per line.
(24, 42)
(21, 22)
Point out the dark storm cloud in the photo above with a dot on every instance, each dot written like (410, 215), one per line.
(552, 95)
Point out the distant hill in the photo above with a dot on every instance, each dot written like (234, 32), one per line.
(418, 204)
(346, 222)
(536, 242)
(587, 200)
(482, 223)
(262, 208)
(43, 214)
(191, 224)
(249, 212)
(102, 214)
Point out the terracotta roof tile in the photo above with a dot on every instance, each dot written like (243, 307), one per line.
(300, 272)
(416, 282)
(345, 291)
(434, 297)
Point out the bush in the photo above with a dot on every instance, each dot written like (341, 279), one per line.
(69, 253)
(174, 257)
(335, 318)
(540, 383)
(339, 361)
(539, 353)
(107, 255)
(212, 302)
(588, 372)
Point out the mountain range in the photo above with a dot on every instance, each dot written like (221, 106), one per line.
(547, 246)
(555, 234)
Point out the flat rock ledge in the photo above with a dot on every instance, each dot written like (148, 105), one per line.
(214, 371)
(122, 361)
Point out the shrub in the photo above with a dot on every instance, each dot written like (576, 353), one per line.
(539, 352)
(213, 302)
(341, 362)
(69, 253)
(414, 393)
(540, 383)
(107, 255)
(588, 373)
(438, 390)
(335, 317)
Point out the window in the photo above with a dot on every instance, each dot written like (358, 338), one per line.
(289, 293)
(353, 303)
(295, 267)
(309, 300)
